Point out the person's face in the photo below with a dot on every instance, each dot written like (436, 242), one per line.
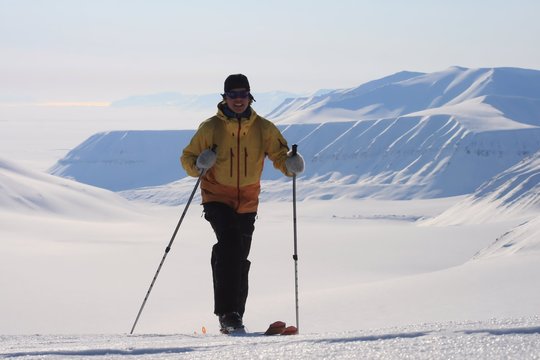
(237, 100)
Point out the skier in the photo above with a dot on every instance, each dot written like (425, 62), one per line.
(228, 149)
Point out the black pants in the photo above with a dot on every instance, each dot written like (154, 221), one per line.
(230, 266)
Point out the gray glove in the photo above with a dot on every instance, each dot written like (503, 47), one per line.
(294, 163)
(206, 160)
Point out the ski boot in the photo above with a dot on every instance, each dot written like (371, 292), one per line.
(231, 324)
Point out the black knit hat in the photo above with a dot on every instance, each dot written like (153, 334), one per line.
(236, 81)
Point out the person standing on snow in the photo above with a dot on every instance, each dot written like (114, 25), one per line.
(229, 150)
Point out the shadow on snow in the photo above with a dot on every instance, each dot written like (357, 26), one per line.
(101, 352)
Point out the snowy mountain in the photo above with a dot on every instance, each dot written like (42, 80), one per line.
(347, 99)
(522, 240)
(120, 160)
(506, 89)
(404, 136)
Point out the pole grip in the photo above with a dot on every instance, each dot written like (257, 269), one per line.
(294, 149)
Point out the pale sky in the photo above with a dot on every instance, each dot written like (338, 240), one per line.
(104, 50)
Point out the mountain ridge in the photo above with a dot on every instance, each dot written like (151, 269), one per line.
(453, 131)
(407, 92)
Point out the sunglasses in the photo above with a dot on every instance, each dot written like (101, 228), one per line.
(242, 94)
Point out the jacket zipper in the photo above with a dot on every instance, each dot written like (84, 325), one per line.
(238, 158)
(232, 159)
(245, 162)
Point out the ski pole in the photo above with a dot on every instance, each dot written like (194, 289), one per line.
(295, 255)
(168, 248)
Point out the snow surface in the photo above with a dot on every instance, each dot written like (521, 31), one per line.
(514, 191)
(495, 339)
(382, 287)
(28, 191)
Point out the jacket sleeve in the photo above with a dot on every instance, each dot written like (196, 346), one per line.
(200, 141)
(276, 147)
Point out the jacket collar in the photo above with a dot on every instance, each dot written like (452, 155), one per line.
(228, 115)
(231, 114)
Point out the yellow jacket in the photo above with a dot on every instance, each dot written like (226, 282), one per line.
(242, 145)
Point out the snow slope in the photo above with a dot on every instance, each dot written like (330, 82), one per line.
(511, 193)
(523, 240)
(379, 268)
(31, 192)
(387, 289)
(371, 280)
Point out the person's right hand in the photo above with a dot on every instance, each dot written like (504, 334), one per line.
(206, 160)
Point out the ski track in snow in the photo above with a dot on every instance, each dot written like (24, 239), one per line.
(495, 339)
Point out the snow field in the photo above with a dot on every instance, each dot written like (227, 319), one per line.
(87, 276)
(493, 339)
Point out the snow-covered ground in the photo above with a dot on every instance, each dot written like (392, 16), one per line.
(374, 282)
(493, 339)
